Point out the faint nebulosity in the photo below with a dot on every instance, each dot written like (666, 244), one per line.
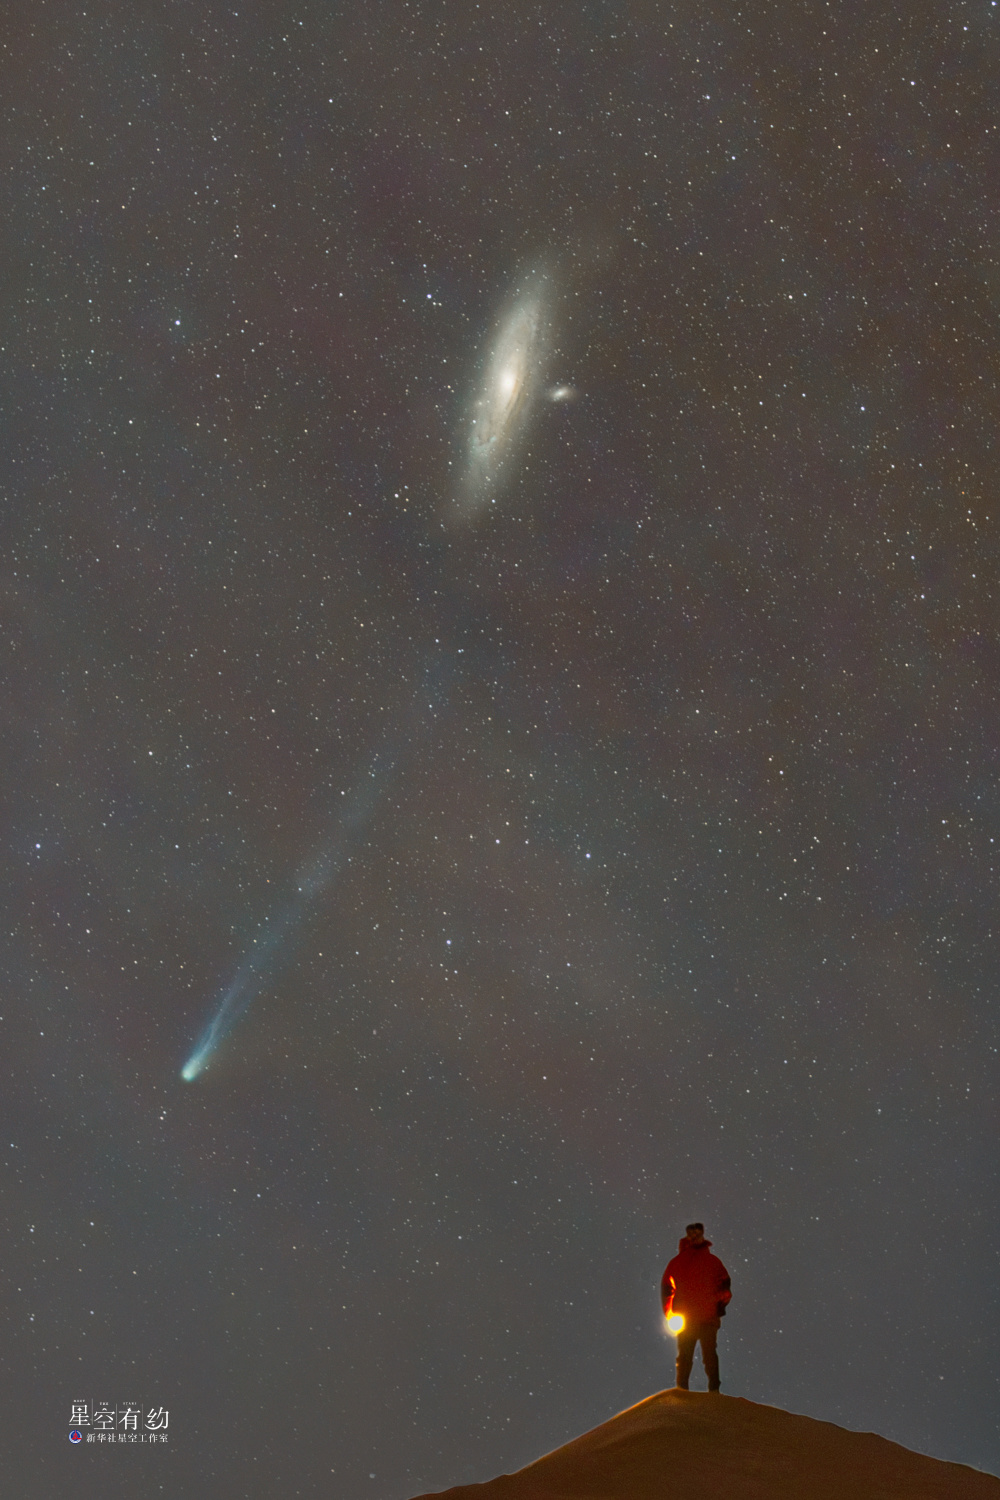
(582, 417)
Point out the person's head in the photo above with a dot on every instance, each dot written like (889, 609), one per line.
(695, 1234)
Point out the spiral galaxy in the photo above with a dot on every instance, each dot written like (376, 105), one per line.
(508, 383)
(514, 369)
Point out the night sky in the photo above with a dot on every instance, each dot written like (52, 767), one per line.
(580, 848)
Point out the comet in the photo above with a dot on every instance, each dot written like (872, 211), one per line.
(279, 937)
(276, 943)
(240, 995)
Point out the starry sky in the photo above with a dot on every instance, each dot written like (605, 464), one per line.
(619, 854)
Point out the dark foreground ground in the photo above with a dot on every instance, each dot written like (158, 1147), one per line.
(685, 1443)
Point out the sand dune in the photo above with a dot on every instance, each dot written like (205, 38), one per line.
(700, 1447)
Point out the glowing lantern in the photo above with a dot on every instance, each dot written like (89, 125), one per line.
(675, 1323)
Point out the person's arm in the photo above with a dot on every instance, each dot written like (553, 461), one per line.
(667, 1290)
(725, 1293)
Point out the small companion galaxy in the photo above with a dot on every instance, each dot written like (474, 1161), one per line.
(499, 582)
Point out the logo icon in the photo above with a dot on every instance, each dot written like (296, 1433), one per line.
(76, 1437)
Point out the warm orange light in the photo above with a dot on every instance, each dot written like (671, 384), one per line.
(675, 1323)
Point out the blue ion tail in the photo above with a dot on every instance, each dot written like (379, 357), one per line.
(222, 1022)
(279, 938)
(238, 998)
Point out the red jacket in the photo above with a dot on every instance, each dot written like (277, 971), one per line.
(695, 1283)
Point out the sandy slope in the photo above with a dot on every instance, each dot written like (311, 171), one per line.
(701, 1447)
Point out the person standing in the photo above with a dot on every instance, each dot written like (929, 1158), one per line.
(696, 1285)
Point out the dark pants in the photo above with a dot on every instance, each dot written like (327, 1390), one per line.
(705, 1334)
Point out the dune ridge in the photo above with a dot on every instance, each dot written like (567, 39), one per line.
(689, 1443)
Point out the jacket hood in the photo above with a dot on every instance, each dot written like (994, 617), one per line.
(685, 1247)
